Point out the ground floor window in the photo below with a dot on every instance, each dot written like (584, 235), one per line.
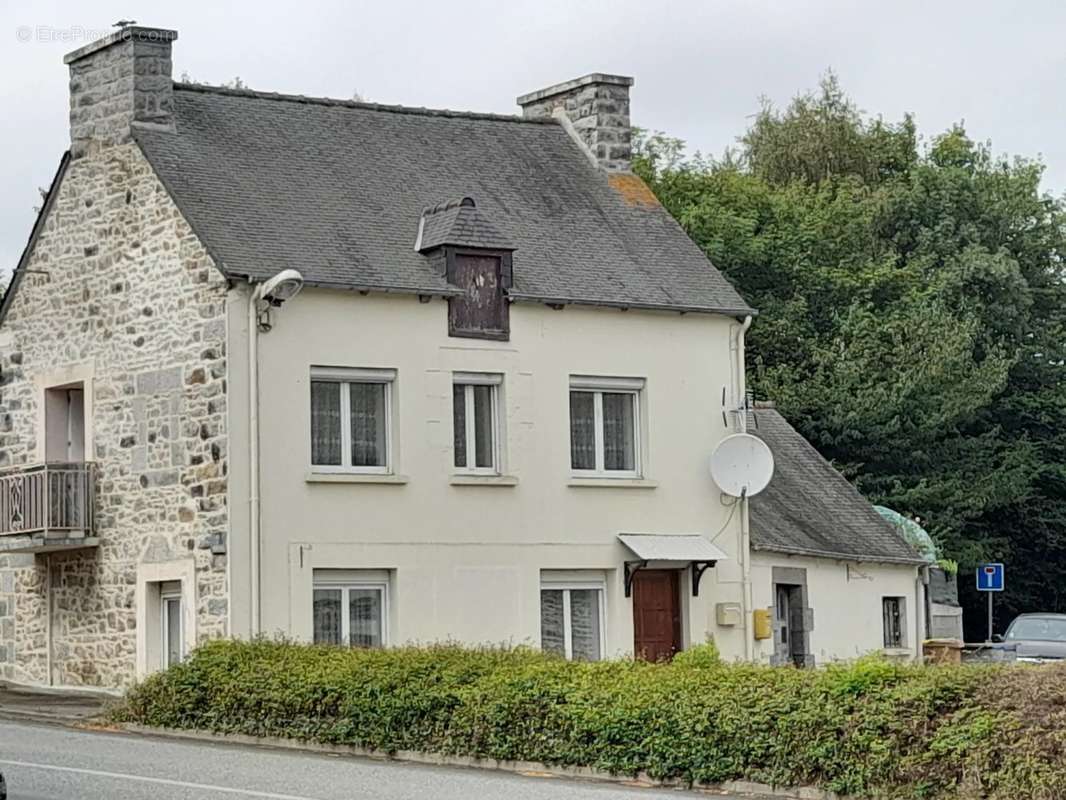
(165, 602)
(892, 613)
(172, 644)
(572, 619)
(350, 608)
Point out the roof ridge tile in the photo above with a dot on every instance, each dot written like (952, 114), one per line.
(206, 88)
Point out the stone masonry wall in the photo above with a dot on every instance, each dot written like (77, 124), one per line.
(131, 293)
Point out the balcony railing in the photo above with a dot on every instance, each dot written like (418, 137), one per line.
(53, 501)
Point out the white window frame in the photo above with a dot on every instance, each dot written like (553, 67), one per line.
(469, 380)
(166, 597)
(346, 583)
(567, 586)
(346, 375)
(598, 386)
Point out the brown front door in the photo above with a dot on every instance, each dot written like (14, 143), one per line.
(656, 614)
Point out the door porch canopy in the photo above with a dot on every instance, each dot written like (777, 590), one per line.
(693, 550)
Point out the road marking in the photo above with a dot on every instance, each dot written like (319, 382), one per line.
(162, 781)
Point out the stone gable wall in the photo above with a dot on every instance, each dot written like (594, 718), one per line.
(131, 294)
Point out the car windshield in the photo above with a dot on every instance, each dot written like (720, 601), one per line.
(1045, 629)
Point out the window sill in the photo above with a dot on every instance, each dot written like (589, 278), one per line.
(354, 477)
(483, 480)
(612, 483)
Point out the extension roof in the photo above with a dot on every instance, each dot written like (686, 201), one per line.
(811, 509)
(336, 189)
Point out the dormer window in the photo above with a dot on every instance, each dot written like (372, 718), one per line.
(476, 259)
(482, 311)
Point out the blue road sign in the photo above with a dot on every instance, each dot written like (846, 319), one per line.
(990, 577)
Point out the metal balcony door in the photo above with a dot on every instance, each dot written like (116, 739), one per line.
(75, 426)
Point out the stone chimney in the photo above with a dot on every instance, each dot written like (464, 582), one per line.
(116, 81)
(597, 108)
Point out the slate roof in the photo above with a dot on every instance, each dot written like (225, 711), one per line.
(336, 189)
(459, 223)
(811, 509)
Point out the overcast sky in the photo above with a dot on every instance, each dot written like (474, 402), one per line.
(700, 65)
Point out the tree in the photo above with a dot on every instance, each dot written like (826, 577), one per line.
(912, 317)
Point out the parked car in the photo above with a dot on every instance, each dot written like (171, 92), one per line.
(1037, 637)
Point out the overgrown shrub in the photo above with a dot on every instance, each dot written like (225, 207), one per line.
(870, 728)
(700, 655)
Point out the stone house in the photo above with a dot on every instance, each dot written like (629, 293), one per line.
(370, 375)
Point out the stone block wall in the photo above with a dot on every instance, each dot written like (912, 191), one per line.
(123, 289)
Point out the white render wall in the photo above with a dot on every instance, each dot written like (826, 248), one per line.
(466, 560)
(846, 600)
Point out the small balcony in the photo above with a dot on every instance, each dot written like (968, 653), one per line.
(48, 507)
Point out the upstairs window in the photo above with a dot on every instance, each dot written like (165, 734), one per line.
(605, 426)
(475, 422)
(351, 416)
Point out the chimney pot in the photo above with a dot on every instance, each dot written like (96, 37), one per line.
(597, 106)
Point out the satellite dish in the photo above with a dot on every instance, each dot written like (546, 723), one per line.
(742, 465)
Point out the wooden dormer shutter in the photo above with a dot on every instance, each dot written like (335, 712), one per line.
(482, 311)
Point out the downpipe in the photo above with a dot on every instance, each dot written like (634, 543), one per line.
(744, 549)
(922, 612)
(253, 455)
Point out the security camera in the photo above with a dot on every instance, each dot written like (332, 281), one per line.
(283, 286)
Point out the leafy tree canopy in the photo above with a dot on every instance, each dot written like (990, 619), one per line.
(912, 317)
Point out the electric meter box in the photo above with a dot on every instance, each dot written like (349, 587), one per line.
(761, 623)
(727, 614)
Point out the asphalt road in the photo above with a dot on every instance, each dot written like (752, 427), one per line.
(43, 762)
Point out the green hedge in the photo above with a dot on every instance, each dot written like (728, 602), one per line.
(870, 728)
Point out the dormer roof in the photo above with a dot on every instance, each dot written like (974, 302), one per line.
(459, 223)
